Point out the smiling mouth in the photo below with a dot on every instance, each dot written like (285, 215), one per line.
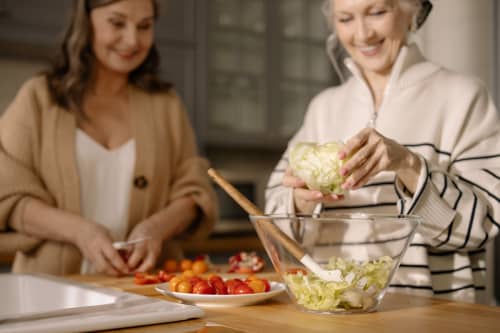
(127, 55)
(370, 50)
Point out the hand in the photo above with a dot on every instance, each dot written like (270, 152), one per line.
(305, 199)
(144, 255)
(95, 243)
(372, 153)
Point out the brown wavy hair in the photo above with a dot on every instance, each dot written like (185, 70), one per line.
(70, 73)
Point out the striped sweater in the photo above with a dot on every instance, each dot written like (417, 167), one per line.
(450, 121)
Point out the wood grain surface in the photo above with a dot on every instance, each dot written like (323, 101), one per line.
(398, 313)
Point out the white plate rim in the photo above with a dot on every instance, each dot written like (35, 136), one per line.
(223, 300)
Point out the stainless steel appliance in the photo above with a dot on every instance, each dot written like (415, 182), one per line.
(233, 219)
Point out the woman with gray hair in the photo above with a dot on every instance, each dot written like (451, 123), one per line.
(419, 139)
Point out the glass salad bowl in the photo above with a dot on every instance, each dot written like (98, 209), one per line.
(342, 263)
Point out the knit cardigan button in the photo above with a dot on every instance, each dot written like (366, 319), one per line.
(141, 182)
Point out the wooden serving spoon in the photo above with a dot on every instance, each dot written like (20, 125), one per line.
(266, 224)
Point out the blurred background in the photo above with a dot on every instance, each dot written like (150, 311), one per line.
(246, 70)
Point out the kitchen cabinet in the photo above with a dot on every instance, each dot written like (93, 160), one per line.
(177, 43)
(32, 25)
(265, 61)
(176, 21)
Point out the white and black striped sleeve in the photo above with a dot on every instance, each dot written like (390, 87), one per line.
(460, 204)
(278, 197)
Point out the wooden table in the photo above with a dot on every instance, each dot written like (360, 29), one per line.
(398, 313)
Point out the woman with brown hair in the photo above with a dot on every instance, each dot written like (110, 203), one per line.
(99, 149)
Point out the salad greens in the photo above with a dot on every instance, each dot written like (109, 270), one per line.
(361, 284)
(318, 166)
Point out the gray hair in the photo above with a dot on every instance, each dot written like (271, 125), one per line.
(411, 7)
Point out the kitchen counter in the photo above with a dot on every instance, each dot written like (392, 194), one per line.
(398, 313)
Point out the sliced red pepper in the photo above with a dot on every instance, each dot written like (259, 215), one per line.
(244, 262)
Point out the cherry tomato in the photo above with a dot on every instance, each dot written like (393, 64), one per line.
(219, 286)
(195, 279)
(199, 267)
(174, 282)
(258, 286)
(188, 274)
(170, 265)
(214, 277)
(186, 264)
(243, 288)
(202, 287)
(164, 276)
(267, 284)
(251, 277)
(184, 287)
(232, 284)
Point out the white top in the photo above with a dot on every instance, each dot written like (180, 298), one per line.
(450, 121)
(105, 183)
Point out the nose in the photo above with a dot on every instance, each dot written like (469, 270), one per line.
(130, 37)
(364, 31)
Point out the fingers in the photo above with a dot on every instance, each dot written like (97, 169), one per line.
(355, 143)
(148, 263)
(363, 167)
(144, 256)
(138, 253)
(362, 175)
(103, 266)
(114, 259)
(358, 160)
(307, 195)
(315, 196)
(289, 180)
(96, 245)
(366, 150)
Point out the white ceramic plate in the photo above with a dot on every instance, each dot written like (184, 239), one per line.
(223, 300)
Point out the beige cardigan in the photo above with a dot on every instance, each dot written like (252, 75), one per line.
(37, 159)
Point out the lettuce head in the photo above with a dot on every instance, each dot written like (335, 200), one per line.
(318, 166)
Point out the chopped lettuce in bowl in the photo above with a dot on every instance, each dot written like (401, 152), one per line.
(361, 285)
(318, 166)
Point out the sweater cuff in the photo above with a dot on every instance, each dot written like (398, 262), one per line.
(426, 202)
(17, 218)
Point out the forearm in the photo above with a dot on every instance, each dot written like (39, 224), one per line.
(410, 173)
(46, 222)
(173, 219)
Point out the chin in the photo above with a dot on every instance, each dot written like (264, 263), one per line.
(124, 69)
(375, 65)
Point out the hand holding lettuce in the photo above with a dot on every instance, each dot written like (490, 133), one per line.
(318, 166)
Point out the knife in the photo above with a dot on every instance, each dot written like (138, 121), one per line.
(125, 244)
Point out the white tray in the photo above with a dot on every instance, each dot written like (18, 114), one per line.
(29, 296)
(40, 303)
